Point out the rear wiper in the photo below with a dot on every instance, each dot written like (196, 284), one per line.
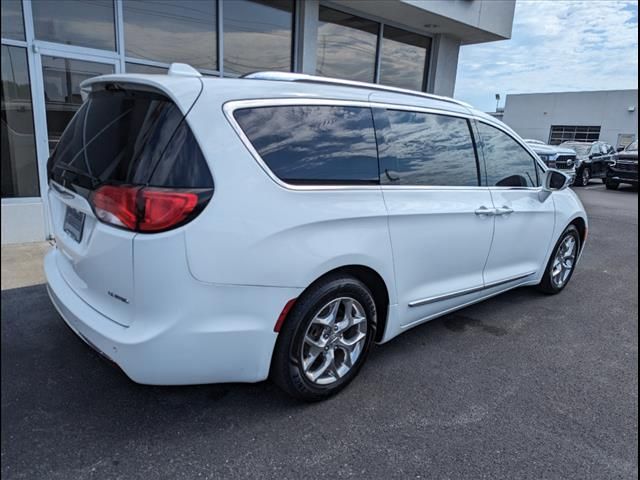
(65, 167)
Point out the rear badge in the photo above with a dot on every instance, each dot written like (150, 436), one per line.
(117, 297)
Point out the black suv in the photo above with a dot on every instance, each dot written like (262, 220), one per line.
(592, 160)
(624, 167)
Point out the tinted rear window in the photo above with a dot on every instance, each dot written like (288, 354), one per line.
(314, 144)
(425, 149)
(126, 136)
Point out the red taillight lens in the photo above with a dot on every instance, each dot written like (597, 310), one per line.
(147, 209)
(164, 208)
(116, 205)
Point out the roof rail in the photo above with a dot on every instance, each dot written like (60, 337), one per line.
(303, 77)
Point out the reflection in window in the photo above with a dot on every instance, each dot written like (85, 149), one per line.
(508, 163)
(87, 24)
(139, 68)
(19, 166)
(403, 58)
(314, 144)
(172, 31)
(346, 46)
(257, 35)
(426, 149)
(12, 22)
(62, 78)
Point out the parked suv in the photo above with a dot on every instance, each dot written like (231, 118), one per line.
(227, 230)
(624, 167)
(592, 161)
(554, 156)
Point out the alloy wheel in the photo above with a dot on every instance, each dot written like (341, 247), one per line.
(564, 261)
(334, 340)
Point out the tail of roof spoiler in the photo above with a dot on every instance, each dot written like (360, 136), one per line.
(182, 83)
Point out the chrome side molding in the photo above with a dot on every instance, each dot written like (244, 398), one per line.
(467, 291)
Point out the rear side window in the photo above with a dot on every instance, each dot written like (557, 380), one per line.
(425, 149)
(314, 144)
(128, 136)
(508, 163)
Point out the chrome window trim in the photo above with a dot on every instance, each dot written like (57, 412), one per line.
(231, 106)
(467, 291)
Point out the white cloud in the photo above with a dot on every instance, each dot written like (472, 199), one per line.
(556, 46)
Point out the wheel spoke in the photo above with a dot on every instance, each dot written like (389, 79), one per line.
(327, 361)
(334, 340)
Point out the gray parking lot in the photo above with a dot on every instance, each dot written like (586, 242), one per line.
(520, 386)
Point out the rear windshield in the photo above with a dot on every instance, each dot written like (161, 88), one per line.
(128, 136)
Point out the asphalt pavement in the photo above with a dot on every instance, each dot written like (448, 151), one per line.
(520, 386)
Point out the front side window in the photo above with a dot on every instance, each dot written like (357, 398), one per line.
(258, 35)
(425, 149)
(508, 163)
(172, 31)
(314, 144)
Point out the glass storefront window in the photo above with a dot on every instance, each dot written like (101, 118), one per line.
(258, 35)
(62, 78)
(86, 24)
(140, 68)
(19, 175)
(346, 46)
(403, 58)
(172, 31)
(12, 21)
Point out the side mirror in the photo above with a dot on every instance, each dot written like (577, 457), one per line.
(554, 181)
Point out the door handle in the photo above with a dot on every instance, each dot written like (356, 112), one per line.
(504, 211)
(485, 211)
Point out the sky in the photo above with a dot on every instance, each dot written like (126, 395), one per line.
(555, 46)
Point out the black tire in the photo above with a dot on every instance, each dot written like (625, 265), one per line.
(286, 364)
(610, 184)
(546, 285)
(583, 177)
(604, 180)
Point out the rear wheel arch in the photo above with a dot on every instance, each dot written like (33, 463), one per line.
(373, 281)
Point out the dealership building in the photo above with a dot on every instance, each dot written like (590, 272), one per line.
(49, 47)
(607, 115)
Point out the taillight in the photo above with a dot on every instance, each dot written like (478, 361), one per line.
(147, 209)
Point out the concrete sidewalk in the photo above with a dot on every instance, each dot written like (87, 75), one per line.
(22, 264)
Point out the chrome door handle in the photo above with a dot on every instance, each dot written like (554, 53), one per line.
(504, 211)
(485, 211)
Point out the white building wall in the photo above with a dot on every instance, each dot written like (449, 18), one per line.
(614, 111)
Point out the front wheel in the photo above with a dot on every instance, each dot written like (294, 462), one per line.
(562, 262)
(583, 177)
(325, 338)
(611, 185)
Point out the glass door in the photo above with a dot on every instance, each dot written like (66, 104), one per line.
(61, 78)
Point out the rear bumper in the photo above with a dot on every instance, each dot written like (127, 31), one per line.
(222, 334)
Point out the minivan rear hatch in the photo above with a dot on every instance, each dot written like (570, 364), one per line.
(129, 134)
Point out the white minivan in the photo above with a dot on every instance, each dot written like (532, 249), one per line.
(277, 225)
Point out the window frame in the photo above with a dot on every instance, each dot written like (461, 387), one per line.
(538, 165)
(382, 111)
(231, 106)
